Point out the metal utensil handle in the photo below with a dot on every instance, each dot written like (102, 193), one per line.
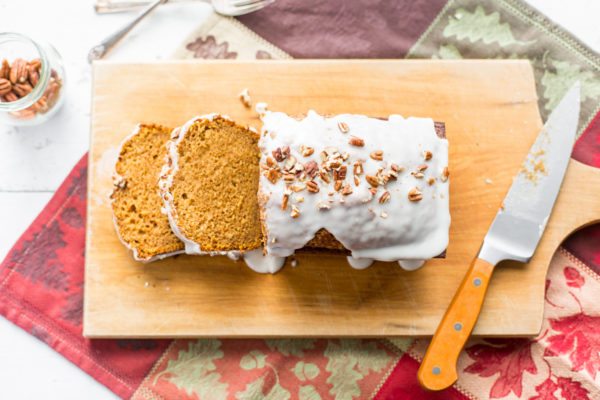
(98, 51)
(119, 6)
(102, 7)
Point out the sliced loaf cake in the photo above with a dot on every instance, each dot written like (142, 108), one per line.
(209, 186)
(136, 202)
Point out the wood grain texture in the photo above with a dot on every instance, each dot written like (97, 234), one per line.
(491, 117)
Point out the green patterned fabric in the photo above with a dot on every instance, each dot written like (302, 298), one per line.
(511, 29)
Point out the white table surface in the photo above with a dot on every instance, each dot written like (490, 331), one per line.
(34, 161)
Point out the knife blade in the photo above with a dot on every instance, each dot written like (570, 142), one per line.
(514, 235)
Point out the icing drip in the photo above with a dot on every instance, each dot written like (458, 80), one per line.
(264, 264)
(359, 263)
(394, 207)
(411, 265)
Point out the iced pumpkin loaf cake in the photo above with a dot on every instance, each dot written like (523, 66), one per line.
(135, 200)
(378, 187)
(209, 186)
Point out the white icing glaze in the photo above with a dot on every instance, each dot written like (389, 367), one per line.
(359, 263)
(264, 264)
(411, 265)
(398, 229)
(118, 180)
(261, 109)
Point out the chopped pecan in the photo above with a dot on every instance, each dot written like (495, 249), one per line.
(445, 174)
(356, 141)
(377, 155)
(284, 201)
(311, 168)
(306, 150)
(295, 212)
(358, 168)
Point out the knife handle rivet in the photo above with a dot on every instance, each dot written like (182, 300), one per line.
(457, 326)
(476, 282)
(436, 370)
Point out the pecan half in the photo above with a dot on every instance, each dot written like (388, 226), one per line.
(385, 197)
(373, 181)
(5, 86)
(415, 194)
(36, 63)
(312, 187)
(5, 69)
(34, 76)
(18, 71)
(10, 96)
(22, 89)
(343, 127)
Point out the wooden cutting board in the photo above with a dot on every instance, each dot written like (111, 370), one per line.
(491, 115)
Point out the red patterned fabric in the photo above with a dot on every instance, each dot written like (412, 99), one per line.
(41, 290)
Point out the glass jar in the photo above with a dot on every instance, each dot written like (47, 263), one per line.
(32, 80)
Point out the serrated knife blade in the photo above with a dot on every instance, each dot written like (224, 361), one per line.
(513, 235)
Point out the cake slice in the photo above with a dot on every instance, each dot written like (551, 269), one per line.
(135, 199)
(209, 186)
(378, 187)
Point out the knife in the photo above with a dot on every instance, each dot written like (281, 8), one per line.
(513, 235)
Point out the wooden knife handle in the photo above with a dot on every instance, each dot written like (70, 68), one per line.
(438, 369)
